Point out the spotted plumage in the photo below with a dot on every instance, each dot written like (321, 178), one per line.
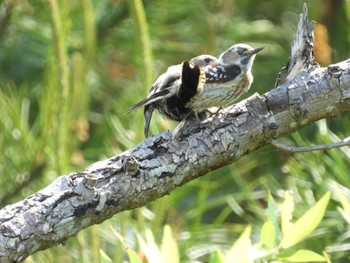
(173, 89)
(179, 92)
(226, 82)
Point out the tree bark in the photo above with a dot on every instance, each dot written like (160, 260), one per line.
(305, 93)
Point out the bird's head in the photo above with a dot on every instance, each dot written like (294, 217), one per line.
(240, 54)
(204, 60)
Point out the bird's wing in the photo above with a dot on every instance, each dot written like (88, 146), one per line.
(222, 73)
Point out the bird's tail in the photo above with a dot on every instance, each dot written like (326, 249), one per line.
(192, 81)
(153, 98)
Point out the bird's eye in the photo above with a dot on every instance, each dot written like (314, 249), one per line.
(207, 60)
(240, 51)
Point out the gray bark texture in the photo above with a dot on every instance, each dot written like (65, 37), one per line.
(305, 93)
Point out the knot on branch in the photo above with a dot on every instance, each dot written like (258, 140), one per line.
(89, 181)
(130, 165)
(334, 71)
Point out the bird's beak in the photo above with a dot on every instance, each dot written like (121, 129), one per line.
(255, 50)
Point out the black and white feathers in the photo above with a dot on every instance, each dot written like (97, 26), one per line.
(199, 84)
(227, 81)
(174, 88)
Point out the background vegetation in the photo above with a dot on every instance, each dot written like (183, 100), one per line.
(69, 69)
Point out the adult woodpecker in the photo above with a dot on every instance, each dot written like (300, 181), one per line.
(224, 83)
(174, 88)
(227, 81)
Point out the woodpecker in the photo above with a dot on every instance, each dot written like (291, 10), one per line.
(179, 93)
(226, 81)
(174, 88)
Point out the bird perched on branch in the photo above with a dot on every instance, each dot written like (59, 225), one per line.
(174, 88)
(177, 96)
(227, 81)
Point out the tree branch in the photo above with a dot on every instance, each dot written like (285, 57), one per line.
(320, 147)
(159, 164)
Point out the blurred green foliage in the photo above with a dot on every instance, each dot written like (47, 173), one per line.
(69, 69)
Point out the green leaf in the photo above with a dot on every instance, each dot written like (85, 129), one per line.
(217, 257)
(287, 212)
(326, 256)
(343, 200)
(169, 249)
(104, 258)
(267, 235)
(241, 248)
(134, 258)
(304, 256)
(273, 215)
(149, 247)
(306, 224)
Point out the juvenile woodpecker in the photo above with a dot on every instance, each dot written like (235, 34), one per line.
(174, 88)
(176, 94)
(227, 81)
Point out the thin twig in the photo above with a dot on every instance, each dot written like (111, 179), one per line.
(319, 147)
